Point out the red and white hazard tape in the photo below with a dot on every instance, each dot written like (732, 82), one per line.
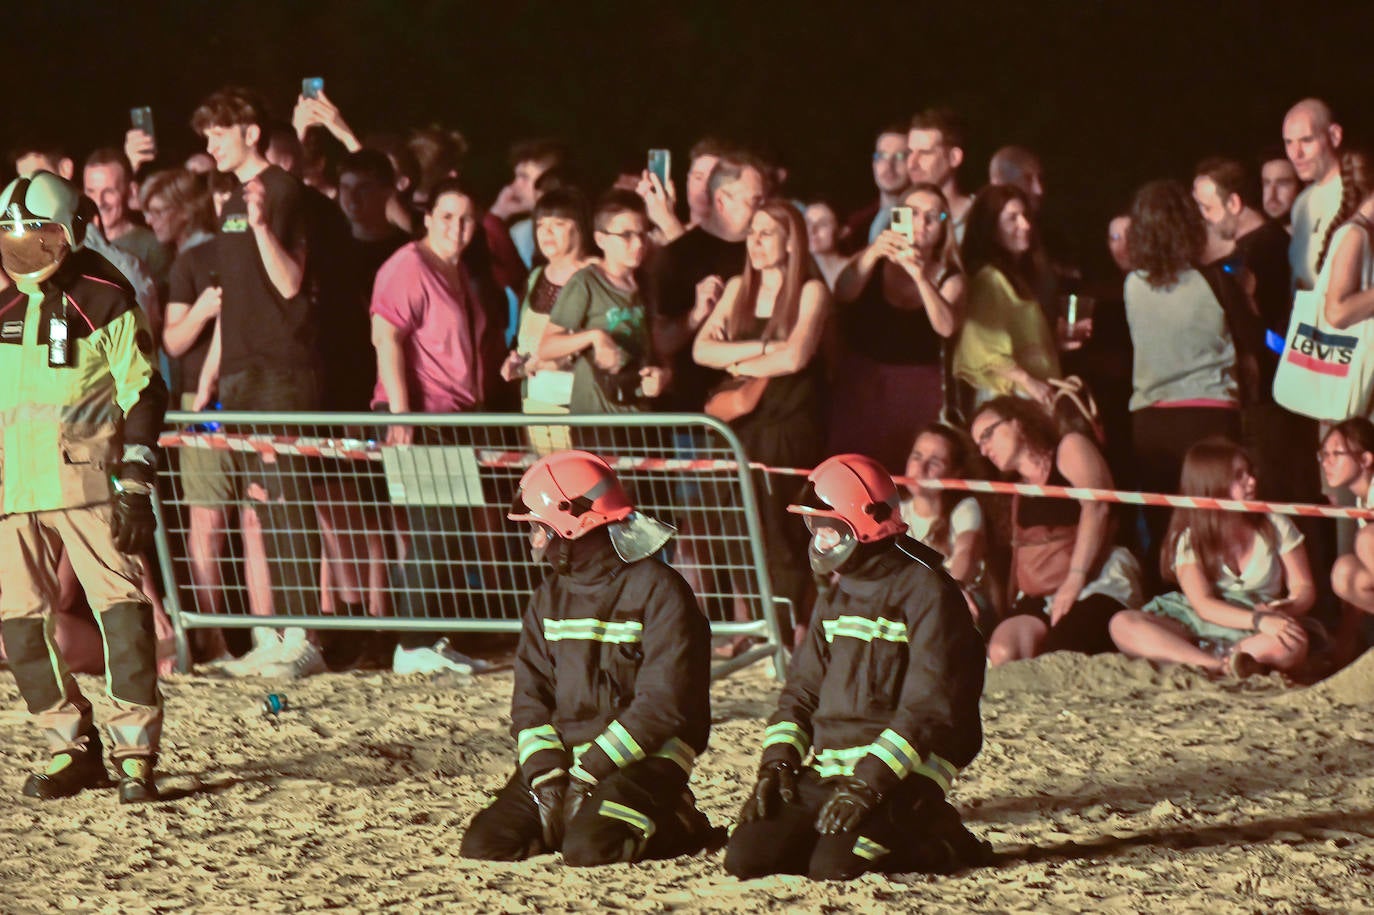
(358, 450)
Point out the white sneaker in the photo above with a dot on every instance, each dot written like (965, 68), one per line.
(433, 659)
(265, 652)
(295, 662)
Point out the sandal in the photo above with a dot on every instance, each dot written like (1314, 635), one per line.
(1241, 664)
(732, 649)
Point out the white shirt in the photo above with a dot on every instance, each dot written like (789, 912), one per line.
(1313, 211)
(1262, 578)
(967, 516)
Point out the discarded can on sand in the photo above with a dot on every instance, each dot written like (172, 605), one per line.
(273, 706)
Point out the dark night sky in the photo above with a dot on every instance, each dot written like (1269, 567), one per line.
(1111, 94)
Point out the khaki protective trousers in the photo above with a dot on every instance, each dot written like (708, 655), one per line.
(31, 545)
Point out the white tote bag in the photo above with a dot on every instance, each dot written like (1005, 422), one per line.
(1327, 373)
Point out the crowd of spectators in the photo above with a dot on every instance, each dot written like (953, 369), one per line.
(293, 266)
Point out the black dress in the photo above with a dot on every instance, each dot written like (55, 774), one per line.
(786, 429)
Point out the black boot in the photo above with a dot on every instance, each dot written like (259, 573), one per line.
(697, 833)
(137, 784)
(70, 772)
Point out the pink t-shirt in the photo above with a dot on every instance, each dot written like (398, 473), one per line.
(435, 309)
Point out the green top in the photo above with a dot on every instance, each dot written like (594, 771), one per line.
(589, 301)
(1003, 330)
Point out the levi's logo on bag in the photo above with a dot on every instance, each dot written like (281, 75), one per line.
(1323, 352)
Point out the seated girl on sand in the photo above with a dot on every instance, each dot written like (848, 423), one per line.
(948, 520)
(1232, 614)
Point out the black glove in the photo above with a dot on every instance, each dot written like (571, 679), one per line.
(548, 791)
(777, 781)
(850, 801)
(132, 522)
(578, 791)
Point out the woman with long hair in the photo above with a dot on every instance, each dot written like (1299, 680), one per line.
(1244, 580)
(767, 325)
(1006, 345)
(1194, 333)
(1345, 268)
(898, 301)
(949, 521)
(1067, 581)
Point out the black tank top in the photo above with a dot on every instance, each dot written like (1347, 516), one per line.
(1037, 511)
(886, 333)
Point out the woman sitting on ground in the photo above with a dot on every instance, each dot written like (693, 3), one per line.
(1347, 462)
(1244, 578)
(1067, 581)
(948, 520)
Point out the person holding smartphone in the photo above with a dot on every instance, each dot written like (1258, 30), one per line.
(897, 303)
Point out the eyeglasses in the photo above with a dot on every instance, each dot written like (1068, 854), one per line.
(1324, 456)
(986, 435)
(627, 236)
(753, 202)
(890, 156)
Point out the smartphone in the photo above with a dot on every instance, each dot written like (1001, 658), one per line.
(142, 119)
(1071, 312)
(661, 164)
(312, 86)
(214, 278)
(902, 224)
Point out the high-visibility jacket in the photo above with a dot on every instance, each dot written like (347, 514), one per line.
(64, 430)
(613, 666)
(888, 682)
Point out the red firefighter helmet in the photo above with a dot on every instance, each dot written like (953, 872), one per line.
(857, 490)
(572, 492)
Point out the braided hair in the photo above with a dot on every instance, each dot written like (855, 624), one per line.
(1357, 181)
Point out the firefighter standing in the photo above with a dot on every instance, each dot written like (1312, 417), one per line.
(882, 700)
(81, 406)
(612, 680)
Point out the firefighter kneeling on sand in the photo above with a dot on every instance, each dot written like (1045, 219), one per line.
(612, 684)
(81, 406)
(882, 700)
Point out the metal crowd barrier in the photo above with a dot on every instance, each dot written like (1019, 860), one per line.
(353, 533)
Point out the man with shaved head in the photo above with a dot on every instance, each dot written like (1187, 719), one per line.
(1312, 140)
(1018, 167)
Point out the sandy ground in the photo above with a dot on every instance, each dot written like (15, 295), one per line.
(1105, 785)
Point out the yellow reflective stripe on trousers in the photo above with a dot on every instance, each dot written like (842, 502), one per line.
(634, 818)
(790, 733)
(833, 762)
(593, 630)
(897, 754)
(864, 629)
(674, 749)
(869, 850)
(534, 740)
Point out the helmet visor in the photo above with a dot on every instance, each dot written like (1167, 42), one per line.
(29, 248)
(832, 543)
